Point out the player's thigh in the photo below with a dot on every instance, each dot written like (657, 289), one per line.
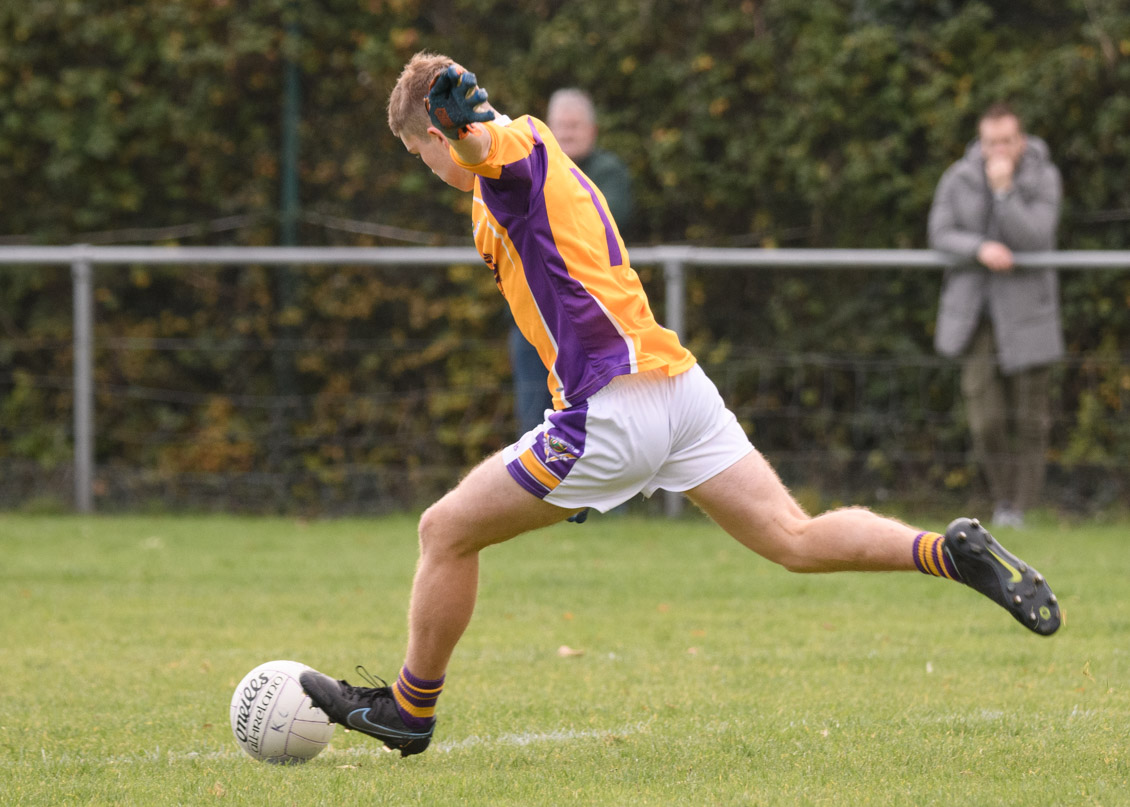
(749, 501)
(486, 507)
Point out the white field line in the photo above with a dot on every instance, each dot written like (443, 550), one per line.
(533, 738)
(376, 750)
(367, 751)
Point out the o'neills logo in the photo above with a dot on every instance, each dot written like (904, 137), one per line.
(254, 704)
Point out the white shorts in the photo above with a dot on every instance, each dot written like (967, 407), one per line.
(638, 434)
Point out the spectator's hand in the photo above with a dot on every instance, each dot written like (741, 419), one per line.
(998, 171)
(452, 102)
(996, 256)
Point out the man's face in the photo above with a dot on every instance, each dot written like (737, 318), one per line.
(432, 149)
(573, 129)
(1001, 137)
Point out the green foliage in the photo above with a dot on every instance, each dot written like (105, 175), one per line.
(792, 123)
(821, 123)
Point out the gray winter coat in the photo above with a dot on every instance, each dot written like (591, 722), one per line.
(1023, 305)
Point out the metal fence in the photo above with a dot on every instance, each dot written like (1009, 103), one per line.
(675, 261)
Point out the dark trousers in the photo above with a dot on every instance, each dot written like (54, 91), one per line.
(531, 390)
(1009, 417)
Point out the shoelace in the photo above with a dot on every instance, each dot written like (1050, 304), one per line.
(372, 692)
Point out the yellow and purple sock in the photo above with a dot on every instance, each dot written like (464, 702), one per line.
(931, 558)
(416, 699)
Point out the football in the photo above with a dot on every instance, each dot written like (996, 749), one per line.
(273, 720)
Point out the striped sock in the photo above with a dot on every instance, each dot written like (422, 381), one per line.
(416, 699)
(930, 556)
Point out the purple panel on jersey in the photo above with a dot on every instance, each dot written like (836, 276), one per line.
(590, 350)
(614, 256)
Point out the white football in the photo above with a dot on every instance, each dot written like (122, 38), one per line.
(273, 720)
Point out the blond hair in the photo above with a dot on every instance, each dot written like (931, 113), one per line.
(406, 112)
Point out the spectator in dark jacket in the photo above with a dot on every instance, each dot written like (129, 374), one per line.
(572, 118)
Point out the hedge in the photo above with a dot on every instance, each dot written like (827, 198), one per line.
(793, 123)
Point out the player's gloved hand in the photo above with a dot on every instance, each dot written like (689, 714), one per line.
(451, 102)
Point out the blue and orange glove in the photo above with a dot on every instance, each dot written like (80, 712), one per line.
(451, 102)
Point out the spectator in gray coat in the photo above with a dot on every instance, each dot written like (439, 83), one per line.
(1004, 321)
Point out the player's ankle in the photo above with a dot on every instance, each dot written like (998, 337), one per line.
(416, 699)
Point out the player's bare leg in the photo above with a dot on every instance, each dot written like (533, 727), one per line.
(487, 507)
(749, 501)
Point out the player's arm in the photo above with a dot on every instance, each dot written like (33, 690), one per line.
(473, 148)
(456, 104)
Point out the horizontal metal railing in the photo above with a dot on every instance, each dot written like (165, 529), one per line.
(442, 256)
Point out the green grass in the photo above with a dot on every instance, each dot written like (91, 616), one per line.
(709, 676)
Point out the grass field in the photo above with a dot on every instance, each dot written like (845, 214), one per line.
(707, 677)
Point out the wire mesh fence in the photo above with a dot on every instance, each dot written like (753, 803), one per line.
(841, 427)
(338, 420)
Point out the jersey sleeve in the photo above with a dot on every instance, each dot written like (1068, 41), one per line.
(513, 165)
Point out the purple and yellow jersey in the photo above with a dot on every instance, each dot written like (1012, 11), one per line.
(558, 259)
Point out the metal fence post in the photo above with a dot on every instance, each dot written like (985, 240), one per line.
(674, 277)
(83, 301)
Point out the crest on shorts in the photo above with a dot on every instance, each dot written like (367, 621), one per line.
(557, 449)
